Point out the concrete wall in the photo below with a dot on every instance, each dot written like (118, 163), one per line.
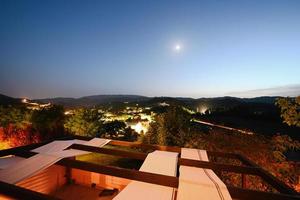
(101, 181)
(46, 181)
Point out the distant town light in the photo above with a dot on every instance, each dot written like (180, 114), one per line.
(69, 112)
(202, 109)
(139, 128)
(44, 105)
(163, 104)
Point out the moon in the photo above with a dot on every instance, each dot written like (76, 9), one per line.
(177, 47)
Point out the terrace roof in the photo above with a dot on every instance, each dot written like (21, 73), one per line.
(247, 168)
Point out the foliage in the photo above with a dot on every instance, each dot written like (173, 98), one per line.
(290, 110)
(4, 144)
(21, 126)
(13, 137)
(15, 127)
(171, 127)
(118, 130)
(85, 122)
(18, 116)
(129, 134)
(266, 152)
(113, 129)
(281, 144)
(48, 121)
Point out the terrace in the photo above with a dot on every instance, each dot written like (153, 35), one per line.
(95, 176)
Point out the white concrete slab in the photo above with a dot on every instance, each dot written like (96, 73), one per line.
(198, 183)
(159, 162)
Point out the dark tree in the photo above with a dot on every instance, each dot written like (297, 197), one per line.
(49, 121)
(171, 127)
(113, 129)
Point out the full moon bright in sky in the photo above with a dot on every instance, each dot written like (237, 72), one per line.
(177, 47)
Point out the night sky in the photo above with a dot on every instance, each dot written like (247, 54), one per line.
(154, 48)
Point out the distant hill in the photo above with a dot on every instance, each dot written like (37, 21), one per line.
(169, 100)
(232, 102)
(209, 103)
(217, 103)
(6, 100)
(89, 101)
(264, 99)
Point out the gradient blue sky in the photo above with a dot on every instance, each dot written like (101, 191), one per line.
(76, 48)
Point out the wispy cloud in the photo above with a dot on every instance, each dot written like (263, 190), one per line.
(287, 90)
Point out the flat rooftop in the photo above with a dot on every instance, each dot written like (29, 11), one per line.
(109, 170)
